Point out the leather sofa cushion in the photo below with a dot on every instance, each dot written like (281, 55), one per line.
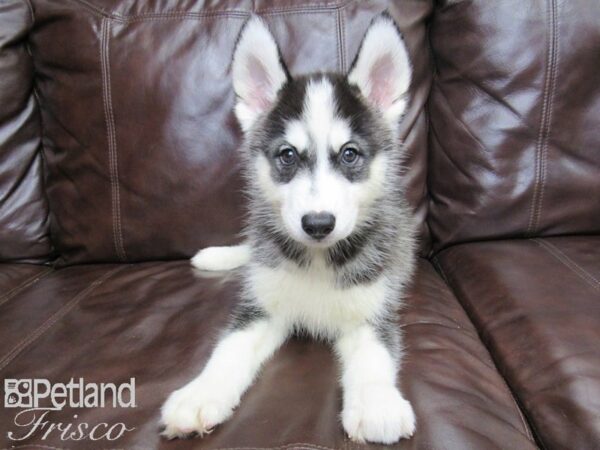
(158, 322)
(515, 128)
(136, 97)
(24, 224)
(537, 306)
(16, 277)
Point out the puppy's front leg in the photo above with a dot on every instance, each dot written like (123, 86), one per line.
(374, 409)
(211, 398)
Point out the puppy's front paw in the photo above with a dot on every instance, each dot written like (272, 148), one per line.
(193, 410)
(377, 413)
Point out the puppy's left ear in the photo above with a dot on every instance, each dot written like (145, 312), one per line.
(382, 69)
(258, 72)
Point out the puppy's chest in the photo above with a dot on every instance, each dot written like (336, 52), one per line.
(311, 299)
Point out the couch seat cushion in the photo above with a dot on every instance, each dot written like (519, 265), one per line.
(16, 277)
(157, 322)
(537, 306)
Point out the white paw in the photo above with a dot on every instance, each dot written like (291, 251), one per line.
(377, 413)
(194, 409)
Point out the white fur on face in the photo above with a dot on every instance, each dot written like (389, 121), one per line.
(321, 191)
(319, 115)
(322, 132)
(257, 72)
(382, 70)
(297, 136)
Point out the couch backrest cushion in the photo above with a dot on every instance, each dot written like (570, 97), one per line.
(515, 119)
(136, 97)
(24, 224)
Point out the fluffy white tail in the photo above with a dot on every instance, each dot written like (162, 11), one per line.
(222, 258)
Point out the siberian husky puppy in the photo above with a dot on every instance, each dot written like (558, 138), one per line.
(330, 239)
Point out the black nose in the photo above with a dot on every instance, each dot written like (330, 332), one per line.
(318, 225)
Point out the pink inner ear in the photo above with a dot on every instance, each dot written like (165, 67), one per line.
(260, 85)
(381, 79)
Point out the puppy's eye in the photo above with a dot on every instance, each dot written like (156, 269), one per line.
(349, 154)
(288, 155)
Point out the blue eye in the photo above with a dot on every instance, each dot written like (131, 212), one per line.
(349, 154)
(288, 155)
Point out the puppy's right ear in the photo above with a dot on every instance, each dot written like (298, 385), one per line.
(258, 72)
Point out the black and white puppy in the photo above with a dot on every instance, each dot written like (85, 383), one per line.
(330, 239)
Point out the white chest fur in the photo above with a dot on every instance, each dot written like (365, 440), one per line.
(309, 298)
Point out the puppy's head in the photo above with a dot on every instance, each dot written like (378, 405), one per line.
(321, 147)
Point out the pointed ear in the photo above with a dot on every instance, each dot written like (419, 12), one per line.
(382, 69)
(258, 72)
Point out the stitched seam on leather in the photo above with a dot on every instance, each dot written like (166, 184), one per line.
(339, 21)
(296, 446)
(563, 258)
(533, 205)
(338, 50)
(25, 284)
(180, 15)
(342, 14)
(112, 141)
(320, 7)
(226, 14)
(541, 149)
(317, 9)
(308, 10)
(135, 447)
(342, 26)
(132, 447)
(93, 8)
(35, 446)
(550, 110)
(525, 423)
(54, 318)
(201, 14)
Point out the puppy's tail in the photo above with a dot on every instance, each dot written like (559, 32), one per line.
(222, 258)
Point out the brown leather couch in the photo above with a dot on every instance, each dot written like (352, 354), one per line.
(118, 161)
